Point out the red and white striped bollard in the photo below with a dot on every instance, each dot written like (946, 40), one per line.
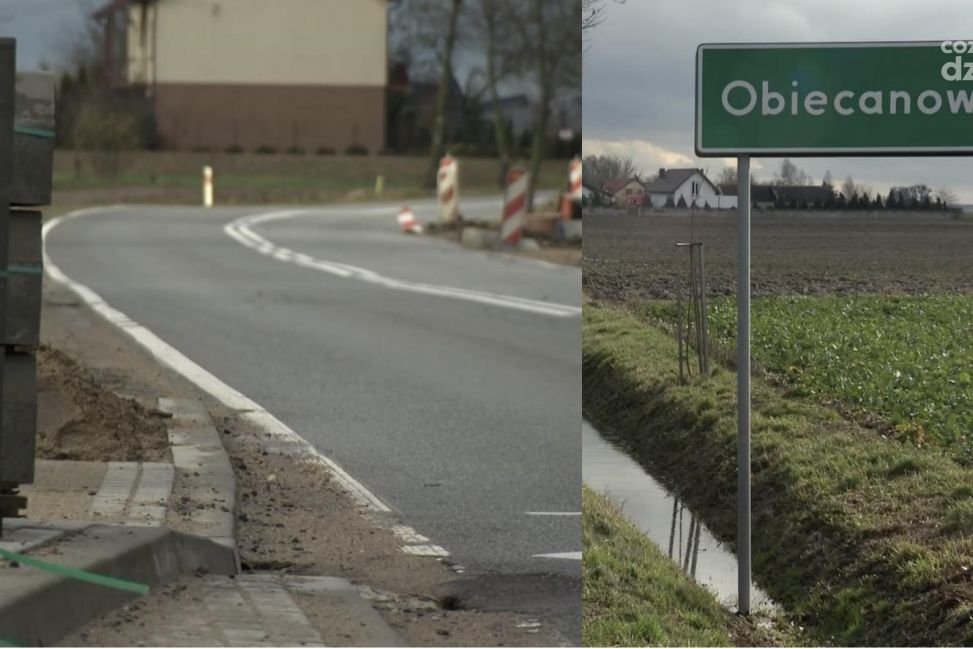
(514, 207)
(573, 195)
(407, 221)
(447, 184)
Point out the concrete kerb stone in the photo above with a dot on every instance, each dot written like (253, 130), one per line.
(38, 607)
(379, 633)
(197, 449)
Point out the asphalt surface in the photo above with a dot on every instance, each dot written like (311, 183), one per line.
(461, 415)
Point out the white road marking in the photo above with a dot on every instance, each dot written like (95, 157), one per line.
(573, 556)
(409, 535)
(240, 230)
(425, 550)
(175, 360)
(553, 513)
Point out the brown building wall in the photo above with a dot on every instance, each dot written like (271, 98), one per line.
(219, 116)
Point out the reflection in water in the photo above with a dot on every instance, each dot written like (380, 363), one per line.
(692, 539)
(662, 517)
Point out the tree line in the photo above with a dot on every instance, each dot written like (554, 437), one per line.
(851, 195)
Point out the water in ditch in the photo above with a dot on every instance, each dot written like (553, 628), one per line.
(663, 518)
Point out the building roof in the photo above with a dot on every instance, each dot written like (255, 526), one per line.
(669, 180)
(803, 193)
(785, 193)
(615, 185)
(758, 193)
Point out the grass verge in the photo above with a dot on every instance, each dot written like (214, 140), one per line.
(635, 596)
(863, 540)
(894, 363)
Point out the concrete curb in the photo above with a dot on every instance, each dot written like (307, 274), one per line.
(38, 608)
(380, 634)
(198, 450)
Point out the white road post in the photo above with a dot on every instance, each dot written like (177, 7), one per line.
(743, 383)
(207, 186)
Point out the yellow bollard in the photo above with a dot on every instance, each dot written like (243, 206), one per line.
(207, 186)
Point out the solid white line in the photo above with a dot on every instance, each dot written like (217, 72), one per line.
(241, 232)
(573, 556)
(553, 513)
(175, 360)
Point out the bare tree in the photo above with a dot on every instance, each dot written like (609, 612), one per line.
(728, 176)
(593, 14)
(946, 195)
(598, 169)
(445, 60)
(502, 60)
(791, 174)
(848, 188)
(549, 34)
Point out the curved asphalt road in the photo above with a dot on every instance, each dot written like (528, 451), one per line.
(461, 415)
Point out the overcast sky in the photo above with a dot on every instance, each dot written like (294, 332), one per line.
(639, 75)
(46, 30)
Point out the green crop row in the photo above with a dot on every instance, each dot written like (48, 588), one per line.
(908, 360)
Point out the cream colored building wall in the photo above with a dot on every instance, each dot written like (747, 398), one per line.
(276, 42)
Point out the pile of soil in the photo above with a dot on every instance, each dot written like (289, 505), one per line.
(77, 419)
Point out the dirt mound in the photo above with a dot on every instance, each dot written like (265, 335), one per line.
(77, 419)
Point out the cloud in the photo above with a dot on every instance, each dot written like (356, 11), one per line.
(647, 156)
(638, 75)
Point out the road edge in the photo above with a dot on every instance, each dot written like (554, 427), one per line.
(176, 361)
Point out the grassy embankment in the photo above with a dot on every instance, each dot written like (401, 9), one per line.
(863, 538)
(248, 178)
(636, 596)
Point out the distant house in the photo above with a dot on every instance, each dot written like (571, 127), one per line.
(802, 196)
(625, 192)
(761, 196)
(682, 188)
(767, 197)
(594, 195)
(253, 73)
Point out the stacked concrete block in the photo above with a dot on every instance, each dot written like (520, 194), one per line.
(26, 158)
(33, 139)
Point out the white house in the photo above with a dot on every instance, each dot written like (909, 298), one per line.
(680, 187)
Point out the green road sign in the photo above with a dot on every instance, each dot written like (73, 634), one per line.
(815, 99)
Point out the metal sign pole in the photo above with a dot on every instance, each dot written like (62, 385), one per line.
(743, 383)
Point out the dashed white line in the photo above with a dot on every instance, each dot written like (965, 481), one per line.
(177, 361)
(240, 230)
(553, 513)
(573, 556)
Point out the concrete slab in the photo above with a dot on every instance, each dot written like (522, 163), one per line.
(38, 607)
(63, 489)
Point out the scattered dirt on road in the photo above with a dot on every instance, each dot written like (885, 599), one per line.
(294, 519)
(564, 254)
(78, 419)
(635, 257)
